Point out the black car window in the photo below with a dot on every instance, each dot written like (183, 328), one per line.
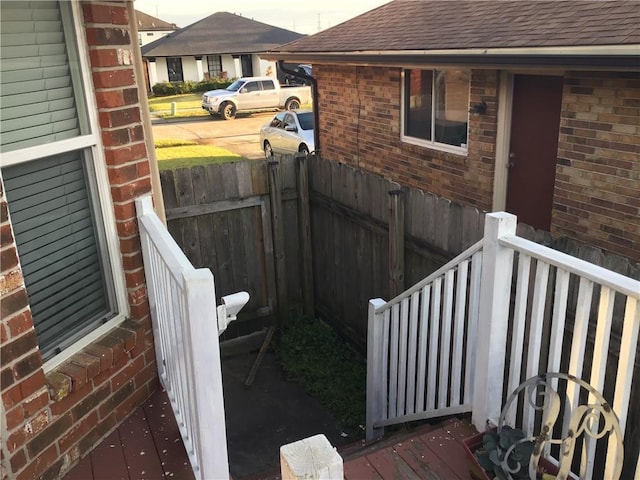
(252, 86)
(277, 121)
(306, 120)
(267, 85)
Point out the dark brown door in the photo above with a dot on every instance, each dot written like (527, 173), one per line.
(533, 150)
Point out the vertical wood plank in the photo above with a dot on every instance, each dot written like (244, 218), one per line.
(474, 310)
(304, 225)
(396, 243)
(275, 200)
(376, 382)
(402, 356)
(558, 320)
(393, 360)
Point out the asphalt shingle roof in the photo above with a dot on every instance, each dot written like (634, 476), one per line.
(147, 22)
(467, 24)
(220, 33)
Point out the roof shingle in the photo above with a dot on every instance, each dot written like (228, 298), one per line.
(467, 24)
(220, 33)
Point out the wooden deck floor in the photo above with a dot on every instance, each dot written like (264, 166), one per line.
(148, 446)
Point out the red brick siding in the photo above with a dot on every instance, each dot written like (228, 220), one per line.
(360, 125)
(53, 420)
(597, 191)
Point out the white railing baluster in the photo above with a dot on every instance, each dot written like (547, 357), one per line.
(458, 332)
(445, 338)
(402, 356)
(422, 346)
(393, 360)
(474, 312)
(412, 354)
(432, 369)
(518, 328)
(558, 321)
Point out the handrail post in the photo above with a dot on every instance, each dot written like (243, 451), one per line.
(497, 267)
(375, 382)
(207, 382)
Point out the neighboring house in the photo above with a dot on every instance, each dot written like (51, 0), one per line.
(151, 28)
(221, 45)
(76, 151)
(532, 107)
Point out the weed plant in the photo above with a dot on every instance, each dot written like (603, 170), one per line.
(328, 368)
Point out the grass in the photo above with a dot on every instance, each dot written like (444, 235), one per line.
(328, 369)
(174, 154)
(184, 101)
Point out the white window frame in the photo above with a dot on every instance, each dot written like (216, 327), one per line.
(420, 141)
(70, 12)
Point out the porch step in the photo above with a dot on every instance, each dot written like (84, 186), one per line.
(433, 451)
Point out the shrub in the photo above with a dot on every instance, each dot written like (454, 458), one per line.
(164, 89)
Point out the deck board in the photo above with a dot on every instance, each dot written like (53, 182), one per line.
(139, 448)
(427, 453)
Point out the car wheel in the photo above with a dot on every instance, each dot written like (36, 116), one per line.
(292, 104)
(304, 149)
(228, 111)
(268, 151)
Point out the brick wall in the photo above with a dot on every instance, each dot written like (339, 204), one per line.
(53, 419)
(597, 192)
(360, 126)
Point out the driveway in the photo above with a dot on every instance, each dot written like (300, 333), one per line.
(241, 136)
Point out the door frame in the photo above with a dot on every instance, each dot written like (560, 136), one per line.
(503, 136)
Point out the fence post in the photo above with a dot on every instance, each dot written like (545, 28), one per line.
(304, 224)
(275, 200)
(491, 340)
(376, 383)
(396, 243)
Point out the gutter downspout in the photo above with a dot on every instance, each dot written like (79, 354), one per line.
(314, 100)
(156, 187)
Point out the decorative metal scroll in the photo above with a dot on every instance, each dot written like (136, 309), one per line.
(594, 420)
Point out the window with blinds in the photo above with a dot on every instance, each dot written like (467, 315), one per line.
(53, 206)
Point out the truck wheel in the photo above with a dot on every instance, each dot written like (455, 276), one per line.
(228, 111)
(292, 104)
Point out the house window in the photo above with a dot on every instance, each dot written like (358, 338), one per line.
(49, 158)
(214, 66)
(174, 69)
(435, 108)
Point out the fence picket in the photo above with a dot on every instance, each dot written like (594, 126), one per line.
(425, 300)
(432, 370)
(393, 360)
(402, 356)
(458, 331)
(413, 346)
(445, 339)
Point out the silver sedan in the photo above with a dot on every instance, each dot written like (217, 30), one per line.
(288, 132)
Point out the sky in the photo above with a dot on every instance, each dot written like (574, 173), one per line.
(302, 16)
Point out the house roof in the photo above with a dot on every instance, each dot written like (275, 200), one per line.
(148, 23)
(220, 33)
(475, 28)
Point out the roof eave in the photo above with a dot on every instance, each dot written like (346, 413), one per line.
(608, 56)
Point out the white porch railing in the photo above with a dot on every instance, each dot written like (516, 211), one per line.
(421, 349)
(185, 332)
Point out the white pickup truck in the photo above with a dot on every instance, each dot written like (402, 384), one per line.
(254, 93)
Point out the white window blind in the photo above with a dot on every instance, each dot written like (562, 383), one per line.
(53, 199)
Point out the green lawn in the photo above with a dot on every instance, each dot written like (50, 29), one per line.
(174, 154)
(185, 101)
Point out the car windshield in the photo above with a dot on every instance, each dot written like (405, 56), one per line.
(306, 120)
(235, 86)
